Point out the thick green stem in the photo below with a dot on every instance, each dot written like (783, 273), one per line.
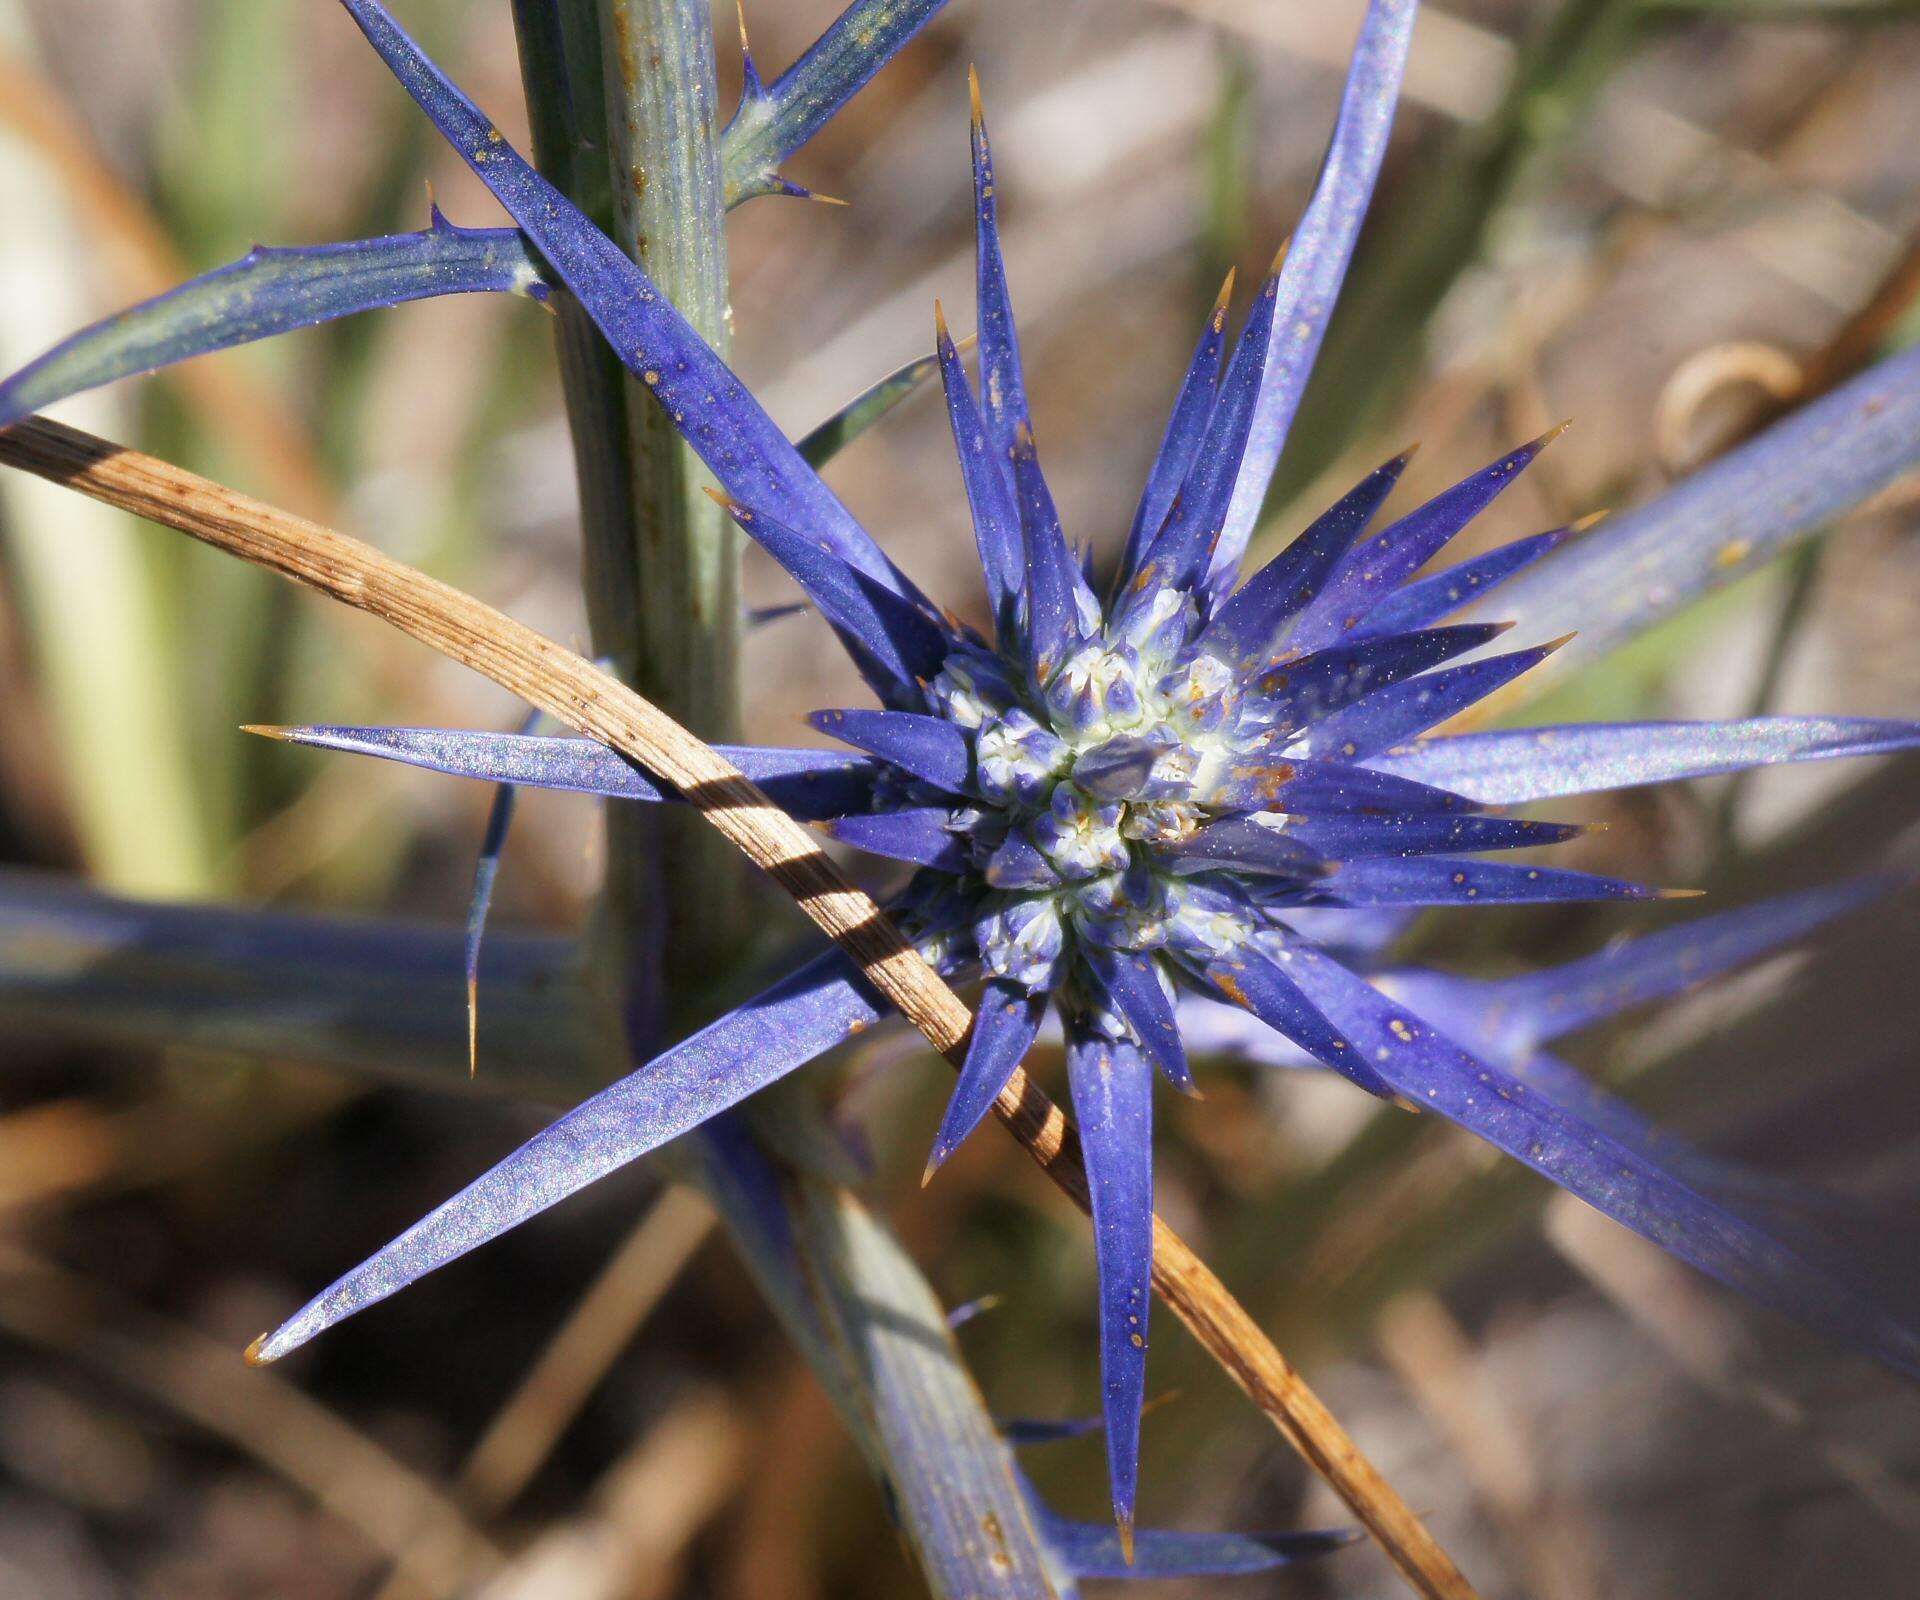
(674, 625)
(662, 575)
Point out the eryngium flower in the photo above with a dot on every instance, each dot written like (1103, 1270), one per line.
(1118, 804)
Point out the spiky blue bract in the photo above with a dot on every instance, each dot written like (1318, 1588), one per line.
(712, 408)
(775, 119)
(1428, 600)
(1317, 261)
(1179, 551)
(989, 490)
(275, 291)
(894, 643)
(1539, 1006)
(1453, 881)
(1185, 428)
(787, 1026)
(1513, 765)
(1112, 1087)
(1376, 568)
(1250, 620)
(1405, 710)
(1733, 515)
(1627, 1180)
(1508, 1017)
(1004, 1025)
(811, 784)
(928, 748)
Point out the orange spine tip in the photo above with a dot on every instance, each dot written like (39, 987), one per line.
(1124, 1527)
(1554, 644)
(1220, 301)
(940, 320)
(973, 95)
(826, 199)
(1591, 519)
(268, 730)
(1553, 433)
(473, 1027)
(740, 11)
(1280, 256)
(1678, 894)
(253, 1358)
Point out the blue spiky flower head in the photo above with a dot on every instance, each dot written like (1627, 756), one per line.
(1120, 801)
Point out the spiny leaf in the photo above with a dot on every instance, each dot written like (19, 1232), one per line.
(809, 784)
(796, 1020)
(1112, 1085)
(776, 119)
(1727, 519)
(1626, 1180)
(1513, 765)
(274, 291)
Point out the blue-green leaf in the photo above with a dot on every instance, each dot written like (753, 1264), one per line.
(776, 119)
(274, 291)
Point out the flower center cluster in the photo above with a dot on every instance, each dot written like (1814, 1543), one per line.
(1089, 785)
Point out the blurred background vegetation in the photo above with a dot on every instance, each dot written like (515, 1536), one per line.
(1658, 219)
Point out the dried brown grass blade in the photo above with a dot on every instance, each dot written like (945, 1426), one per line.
(574, 691)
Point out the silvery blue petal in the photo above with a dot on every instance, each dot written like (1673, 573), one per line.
(1511, 766)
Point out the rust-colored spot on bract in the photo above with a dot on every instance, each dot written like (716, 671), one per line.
(997, 1554)
(1229, 986)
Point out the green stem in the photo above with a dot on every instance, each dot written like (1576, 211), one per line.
(662, 575)
(674, 625)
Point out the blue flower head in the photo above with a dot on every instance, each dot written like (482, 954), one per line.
(1180, 788)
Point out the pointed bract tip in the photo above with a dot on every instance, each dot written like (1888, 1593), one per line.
(940, 322)
(1280, 257)
(973, 95)
(725, 501)
(826, 199)
(740, 11)
(1499, 628)
(1565, 639)
(1123, 1525)
(1591, 519)
(473, 1027)
(1220, 300)
(269, 730)
(253, 1356)
(1550, 435)
(1678, 894)
(935, 1160)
